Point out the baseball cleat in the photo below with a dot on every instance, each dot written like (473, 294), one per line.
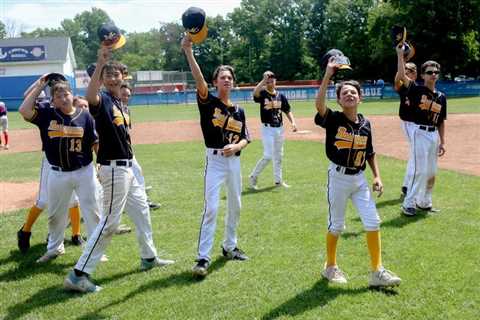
(77, 240)
(282, 184)
(23, 239)
(153, 205)
(235, 254)
(334, 274)
(146, 264)
(384, 278)
(81, 284)
(50, 256)
(428, 208)
(6, 147)
(123, 228)
(410, 212)
(201, 268)
(252, 182)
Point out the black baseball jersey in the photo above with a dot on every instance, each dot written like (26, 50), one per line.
(112, 126)
(347, 143)
(67, 139)
(221, 124)
(406, 111)
(430, 107)
(126, 110)
(271, 107)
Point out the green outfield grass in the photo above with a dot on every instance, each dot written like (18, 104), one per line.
(300, 108)
(283, 231)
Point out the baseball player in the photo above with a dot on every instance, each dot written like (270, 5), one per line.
(3, 125)
(272, 104)
(349, 146)
(25, 232)
(125, 93)
(120, 188)
(225, 133)
(430, 110)
(406, 115)
(69, 135)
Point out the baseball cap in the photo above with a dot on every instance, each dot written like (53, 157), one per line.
(194, 21)
(340, 59)
(53, 77)
(110, 36)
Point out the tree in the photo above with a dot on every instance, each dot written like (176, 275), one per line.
(3, 31)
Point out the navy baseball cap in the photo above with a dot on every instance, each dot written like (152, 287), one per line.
(194, 21)
(53, 77)
(340, 58)
(110, 36)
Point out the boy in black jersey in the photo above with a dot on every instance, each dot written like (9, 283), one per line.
(68, 136)
(349, 146)
(120, 188)
(429, 107)
(225, 134)
(272, 104)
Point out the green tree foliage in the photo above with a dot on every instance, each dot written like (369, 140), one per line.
(3, 31)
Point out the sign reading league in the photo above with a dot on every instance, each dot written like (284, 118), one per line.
(22, 53)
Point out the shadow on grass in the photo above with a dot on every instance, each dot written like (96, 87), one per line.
(27, 266)
(259, 190)
(317, 296)
(388, 203)
(402, 220)
(51, 296)
(182, 279)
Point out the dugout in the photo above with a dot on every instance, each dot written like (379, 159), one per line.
(23, 60)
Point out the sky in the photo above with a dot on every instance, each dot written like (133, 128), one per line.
(129, 15)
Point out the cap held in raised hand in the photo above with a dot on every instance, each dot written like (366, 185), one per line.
(195, 23)
(110, 36)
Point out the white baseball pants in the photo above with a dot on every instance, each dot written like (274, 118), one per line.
(340, 188)
(424, 167)
(220, 170)
(120, 191)
(409, 129)
(42, 197)
(272, 140)
(138, 172)
(60, 187)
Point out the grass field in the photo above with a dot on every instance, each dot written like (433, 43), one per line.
(300, 109)
(281, 230)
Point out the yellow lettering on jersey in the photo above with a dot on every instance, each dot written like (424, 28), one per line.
(346, 139)
(119, 118)
(56, 130)
(218, 118)
(428, 104)
(269, 104)
(234, 125)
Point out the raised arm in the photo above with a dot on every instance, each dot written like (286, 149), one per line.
(31, 94)
(322, 92)
(201, 84)
(261, 84)
(95, 84)
(400, 76)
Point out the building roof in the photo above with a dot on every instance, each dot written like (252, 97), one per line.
(57, 48)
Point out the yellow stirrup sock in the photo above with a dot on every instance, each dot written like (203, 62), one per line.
(31, 218)
(331, 249)
(375, 249)
(74, 214)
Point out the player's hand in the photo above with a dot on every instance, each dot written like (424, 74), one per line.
(378, 186)
(331, 67)
(104, 54)
(441, 149)
(230, 150)
(186, 43)
(294, 127)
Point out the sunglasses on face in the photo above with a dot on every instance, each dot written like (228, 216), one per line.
(430, 72)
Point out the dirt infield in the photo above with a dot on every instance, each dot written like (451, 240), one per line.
(463, 152)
